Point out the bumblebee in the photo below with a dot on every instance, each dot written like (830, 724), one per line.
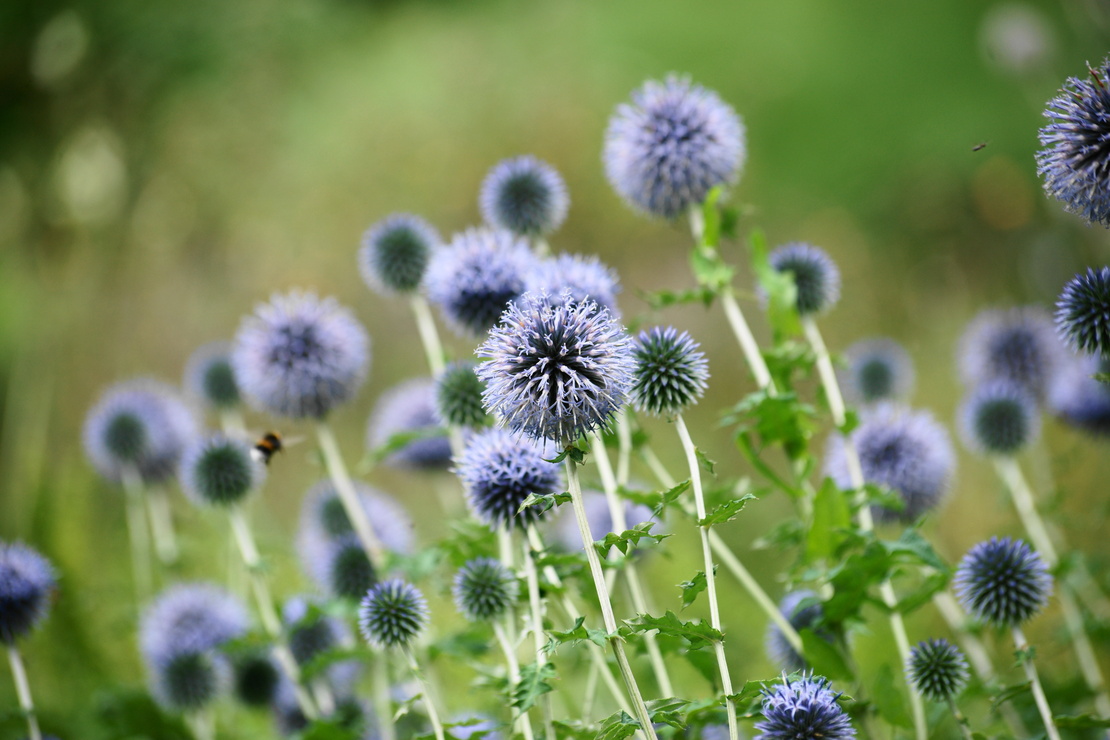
(266, 447)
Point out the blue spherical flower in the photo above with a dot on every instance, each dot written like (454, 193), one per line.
(392, 614)
(395, 253)
(582, 278)
(475, 278)
(937, 669)
(140, 424)
(458, 396)
(1078, 399)
(525, 196)
(26, 582)
(671, 146)
(499, 470)
(1075, 162)
(815, 275)
(409, 407)
(1017, 344)
(600, 519)
(300, 356)
(999, 418)
(877, 370)
(806, 708)
(311, 633)
(192, 617)
(802, 609)
(219, 471)
(184, 679)
(256, 678)
(210, 378)
(324, 518)
(1003, 582)
(556, 372)
(905, 450)
(1083, 312)
(670, 372)
(484, 589)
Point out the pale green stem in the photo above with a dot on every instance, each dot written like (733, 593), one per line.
(961, 720)
(161, 524)
(23, 691)
(201, 724)
(1022, 645)
(429, 336)
(138, 534)
(524, 721)
(231, 421)
(589, 692)
(348, 496)
(624, 455)
(541, 247)
(425, 689)
(535, 610)
(267, 611)
(383, 705)
(615, 640)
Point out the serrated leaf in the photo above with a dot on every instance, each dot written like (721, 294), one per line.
(693, 587)
(696, 633)
(778, 287)
(888, 699)
(831, 515)
(573, 730)
(776, 419)
(575, 635)
(707, 463)
(544, 501)
(617, 727)
(911, 547)
(533, 683)
(726, 512)
(657, 501)
(628, 539)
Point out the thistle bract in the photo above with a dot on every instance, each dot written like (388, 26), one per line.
(1017, 344)
(210, 377)
(670, 372)
(877, 370)
(219, 471)
(458, 396)
(556, 372)
(26, 582)
(484, 589)
(937, 669)
(1003, 582)
(676, 141)
(409, 407)
(999, 418)
(392, 614)
(300, 356)
(802, 609)
(573, 278)
(816, 276)
(395, 253)
(1083, 311)
(525, 196)
(191, 617)
(1080, 400)
(806, 708)
(499, 470)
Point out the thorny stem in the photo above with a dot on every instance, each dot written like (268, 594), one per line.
(23, 690)
(138, 534)
(425, 689)
(1022, 645)
(345, 488)
(535, 608)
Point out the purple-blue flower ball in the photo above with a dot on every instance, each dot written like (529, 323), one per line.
(676, 141)
(1078, 399)
(499, 470)
(582, 278)
(187, 680)
(524, 195)
(1083, 312)
(1003, 582)
(484, 589)
(210, 378)
(219, 471)
(476, 276)
(937, 669)
(409, 406)
(802, 609)
(191, 617)
(392, 614)
(876, 370)
(395, 253)
(806, 708)
(816, 276)
(256, 677)
(27, 581)
(999, 418)
(458, 396)
(671, 372)
(1016, 344)
(300, 356)
(323, 515)
(556, 372)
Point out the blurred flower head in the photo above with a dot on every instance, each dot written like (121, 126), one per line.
(323, 516)
(219, 471)
(256, 677)
(186, 680)
(802, 609)
(1078, 399)
(395, 253)
(816, 276)
(1083, 311)
(409, 406)
(1003, 582)
(484, 589)
(499, 470)
(27, 580)
(999, 418)
(670, 372)
(1016, 344)
(877, 370)
(582, 278)
(525, 196)
(458, 396)
(193, 617)
(1017, 38)
(210, 378)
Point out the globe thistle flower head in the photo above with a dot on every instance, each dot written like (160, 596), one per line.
(525, 196)
(676, 141)
(903, 449)
(1083, 311)
(1017, 344)
(27, 580)
(186, 680)
(999, 418)
(583, 278)
(190, 617)
(219, 471)
(256, 677)
(600, 519)
(484, 589)
(300, 356)
(802, 609)
(138, 424)
(476, 276)
(499, 470)
(877, 370)
(338, 565)
(670, 372)
(806, 708)
(409, 407)
(816, 276)
(937, 669)
(458, 396)
(1075, 162)
(556, 372)
(1003, 582)
(395, 253)
(311, 635)
(210, 378)
(1078, 399)
(392, 614)
(323, 516)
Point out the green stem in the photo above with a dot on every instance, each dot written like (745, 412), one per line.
(535, 609)
(138, 534)
(23, 691)
(1022, 645)
(429, 336)
(425, 689)
(624, 455)
(348, 496)
(524, 720)
(383, 705)
(961, 720)
(161, 524)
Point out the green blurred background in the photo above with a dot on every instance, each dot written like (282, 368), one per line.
(164, 166)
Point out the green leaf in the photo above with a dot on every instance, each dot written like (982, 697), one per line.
(696, 633)
(328, 729)
(779, 287)
(749, 698)
(575, 635)
(1081, 721)
(823, 655)
(617, 727)
(726, 512)
(789, 533)
(693, 587)
(128, 713)
(545, 501)
(574, 730)
(406, 706)
(712, 273)
(705, 663)
(889, 699)
(658, 501)
(923, 594)
(1103, 378)
(1008, 693)
(831, 515)
(777, 419)
(707, 463)
(911, 547)
(628, 539)
(711, 217)
(324, 660)
(533, 683)
(660, 299)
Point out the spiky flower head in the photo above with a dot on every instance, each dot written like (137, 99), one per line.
(1075, 162)
(937, 669)
(556, 372)
(311, 633)
(802, 609)
(903, 449)
(27, 581)
(141, 425)
(409, 407)
(191, 617)
(185, 680)
(816, 276)
(300, 356)
(476, 276)
(219, 471)
(806, 708)
(600, 519)
(499, 470)
(1083, 311)
(999, 418)
(324, 517)
(210, 378)
(1016, 344)
(1077, 398)
(676, 141)
(256, 677)
(395, 253)
(1003, 582)
(392, 614)
(484, 589)
(339, 565)
(670, 372)
(583, 278)
(458, 396)
(877, 370)
(524, 195)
